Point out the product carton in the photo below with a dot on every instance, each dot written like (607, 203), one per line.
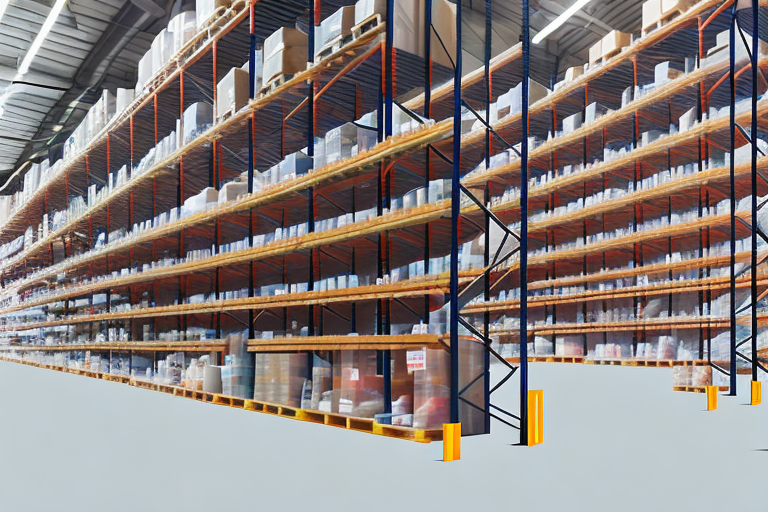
(613, 41)
(285, 53)
(206, 8)
(231, 92)
(197, 118)
(573, 73)
(651, 14)
(337, 25)
(409, 26)
(182, 28)
(232, 190)
(595, 52)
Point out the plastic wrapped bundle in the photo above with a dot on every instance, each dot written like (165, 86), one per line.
(182, 28)
(360, 388)
(197, 119)
(682, 375)
(205, 9)
(701, 376)
(339, 143)
(280, 378)
(285, 53)
(337, 25)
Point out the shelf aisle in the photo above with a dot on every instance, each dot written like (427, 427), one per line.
(299, 240)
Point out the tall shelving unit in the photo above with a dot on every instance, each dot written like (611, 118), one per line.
(576, 275)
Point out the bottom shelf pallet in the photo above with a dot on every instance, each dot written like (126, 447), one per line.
(651, 363)
(548, 359)
(696, 389)
(325, 418)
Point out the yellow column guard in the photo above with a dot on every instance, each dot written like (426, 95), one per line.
(451, 441)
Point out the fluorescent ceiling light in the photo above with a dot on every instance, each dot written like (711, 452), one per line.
(44, 30)
(559, 21)
(3, 7)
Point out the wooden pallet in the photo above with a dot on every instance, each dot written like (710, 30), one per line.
(549, 359)
(368, 24)
(696, 389)
(667, 18)
(608, 362)
(608, 56)
(275, 83)
(333, 47)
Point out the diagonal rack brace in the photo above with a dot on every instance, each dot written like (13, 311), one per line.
(749, 360)
(490, 128)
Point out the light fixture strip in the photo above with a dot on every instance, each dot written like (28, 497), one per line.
(44, 30)
(559, 21)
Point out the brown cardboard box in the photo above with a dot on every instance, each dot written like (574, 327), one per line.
(615, 40)
(285, 52)
(573, 73)
(596, 52)
(231, 92)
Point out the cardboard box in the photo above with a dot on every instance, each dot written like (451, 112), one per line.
(145, 70)
(162, 50)
(338, 24)
(666, 71)
(614, 40)
(204, 9)
(409, 26)
(444, 21)
(182, 28)
(651, 14)
(197, 118)
(230, 191)
(572, 122)
(123, 98)
(285, 53)
(595, 52)
(573, 73)
(231, 92)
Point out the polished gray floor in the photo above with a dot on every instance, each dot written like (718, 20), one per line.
(616, 439)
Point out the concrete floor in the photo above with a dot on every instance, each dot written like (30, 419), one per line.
(616, 438)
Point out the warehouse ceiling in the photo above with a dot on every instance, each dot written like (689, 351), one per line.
(96, 44)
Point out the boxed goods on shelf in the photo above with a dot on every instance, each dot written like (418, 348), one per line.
(360, 388)
(614, 41)
(198, 118)
(333, 28)
(162, 49)
(123, 98)
(280, 378)
(231, 92)
(232, 190)
(721, 52)
(409, 23)
(285, 53)
(145, 71)
(182, 28)
(608, 46)
(205, 9)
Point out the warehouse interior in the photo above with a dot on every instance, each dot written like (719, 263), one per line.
(299, 209)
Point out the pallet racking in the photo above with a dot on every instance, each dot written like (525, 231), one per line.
(623, 252)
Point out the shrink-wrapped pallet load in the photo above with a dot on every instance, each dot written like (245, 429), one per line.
(285, 53)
